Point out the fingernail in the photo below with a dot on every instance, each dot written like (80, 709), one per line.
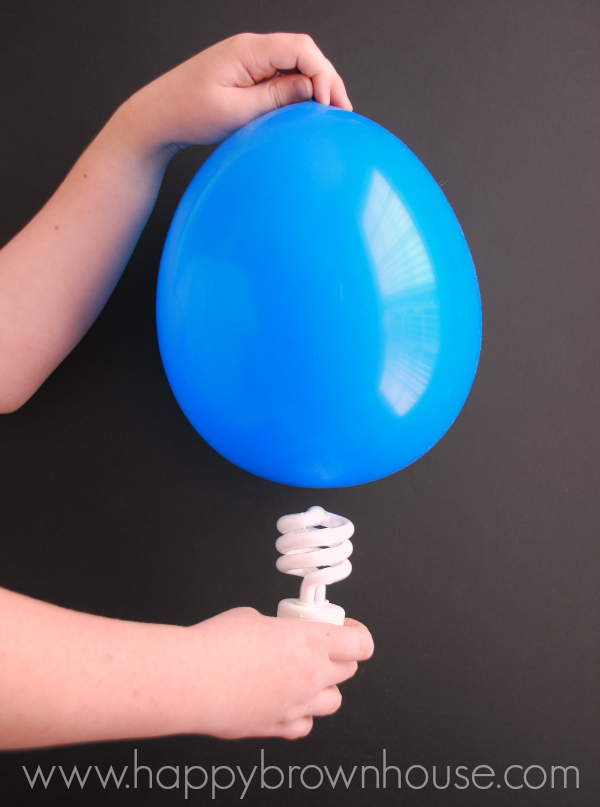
(300, 89)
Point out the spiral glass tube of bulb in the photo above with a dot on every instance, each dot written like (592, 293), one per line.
(315, 545)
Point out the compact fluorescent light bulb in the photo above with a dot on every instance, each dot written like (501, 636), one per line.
(316, 546)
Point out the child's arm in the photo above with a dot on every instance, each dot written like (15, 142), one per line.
(57, 273)
(67, 677)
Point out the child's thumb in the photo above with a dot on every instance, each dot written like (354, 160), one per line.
(281, 91)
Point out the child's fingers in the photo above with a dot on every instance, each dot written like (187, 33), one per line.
(339, 96)
(263, 55)
(349, 643)
(342, 671)
(327, 702)
(285, 90)
(299, 728)
(248, 104)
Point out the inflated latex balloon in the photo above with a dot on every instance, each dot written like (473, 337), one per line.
(318, 311)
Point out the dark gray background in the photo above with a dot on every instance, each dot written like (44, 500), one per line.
(477, 567)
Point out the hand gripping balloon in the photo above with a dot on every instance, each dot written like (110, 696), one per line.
(316, 546)
(318, 311)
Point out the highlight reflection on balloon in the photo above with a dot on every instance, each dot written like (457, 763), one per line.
(410, 303)
(318, 310)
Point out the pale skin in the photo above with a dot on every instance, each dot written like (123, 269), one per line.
(68, 677)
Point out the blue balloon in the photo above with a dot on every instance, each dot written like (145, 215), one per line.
(318, 310)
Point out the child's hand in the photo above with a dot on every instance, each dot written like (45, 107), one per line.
(69, 677)
(269, 676)
(221, 89)
(58, 272)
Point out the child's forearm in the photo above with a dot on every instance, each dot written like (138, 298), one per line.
(69, 677)
(56, 275)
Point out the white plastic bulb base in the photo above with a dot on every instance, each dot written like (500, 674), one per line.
(314, 612)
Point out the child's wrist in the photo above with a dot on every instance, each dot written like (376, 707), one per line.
(141, 125)
(126, 147)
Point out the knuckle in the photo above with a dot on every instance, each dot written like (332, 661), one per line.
(243, 42)
(306, 43)
(305, 39)
(245, 610)
(235, 40)
(276, 94)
